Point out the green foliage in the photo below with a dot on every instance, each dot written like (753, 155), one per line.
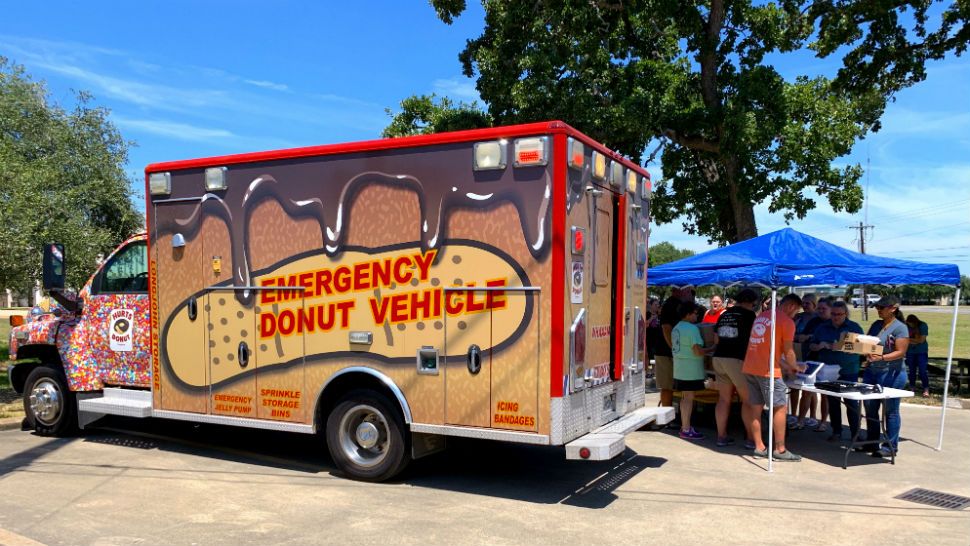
(698, 79)
(425, 114)
(664, 252)
(61, 179)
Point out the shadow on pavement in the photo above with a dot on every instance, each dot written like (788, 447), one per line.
(27, 457)
(534, 474)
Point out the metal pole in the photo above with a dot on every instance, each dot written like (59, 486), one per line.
(949, 364)
(771, 388)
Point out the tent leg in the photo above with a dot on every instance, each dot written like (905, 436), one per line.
(771, 388)
(949, 364)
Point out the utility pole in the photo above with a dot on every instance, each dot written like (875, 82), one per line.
(862, 227)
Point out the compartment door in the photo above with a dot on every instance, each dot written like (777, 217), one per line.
(178, 318)
(515, 370)
(468, 361)
(599, 347)
(485, 387)
(230, 321)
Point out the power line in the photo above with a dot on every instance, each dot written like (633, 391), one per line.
(927, 230)
(931, 249)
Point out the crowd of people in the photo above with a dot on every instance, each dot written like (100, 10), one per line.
(806, 329)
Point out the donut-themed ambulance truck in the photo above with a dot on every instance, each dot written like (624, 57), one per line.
(384, 294)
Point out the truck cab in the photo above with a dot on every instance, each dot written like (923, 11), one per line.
(97, 338)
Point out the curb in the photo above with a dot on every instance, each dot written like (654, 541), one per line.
(11, 423)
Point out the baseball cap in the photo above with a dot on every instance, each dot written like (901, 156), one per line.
(887, 301)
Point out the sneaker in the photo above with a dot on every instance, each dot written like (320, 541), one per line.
(760, 453)
(867, 449)
(787, 456)
(724, 442)
(926, 394)
(822, 427)
(883, 453)
(749, 444)
(691, 434)
(811, 423)
(792, 420)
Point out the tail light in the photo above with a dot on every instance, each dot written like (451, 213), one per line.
(531, 151)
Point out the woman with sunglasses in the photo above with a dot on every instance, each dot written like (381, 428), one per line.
(887, 370)
(825, 340)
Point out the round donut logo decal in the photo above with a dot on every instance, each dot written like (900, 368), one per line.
(120, 329)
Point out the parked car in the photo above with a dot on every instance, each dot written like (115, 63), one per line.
(871, 300)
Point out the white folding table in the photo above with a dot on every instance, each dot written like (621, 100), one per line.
(886, 394)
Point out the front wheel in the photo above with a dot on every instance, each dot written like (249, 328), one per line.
(366, 437)
(50, 406)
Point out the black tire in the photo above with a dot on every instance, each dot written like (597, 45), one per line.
(50, 407)
(367, 438)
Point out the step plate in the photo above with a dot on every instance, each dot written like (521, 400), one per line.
(124, 402)
(609, 440)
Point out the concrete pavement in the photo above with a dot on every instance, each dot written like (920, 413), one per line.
(185, 484)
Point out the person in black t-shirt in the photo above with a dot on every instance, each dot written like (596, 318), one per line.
(732, 331)
(664, 369)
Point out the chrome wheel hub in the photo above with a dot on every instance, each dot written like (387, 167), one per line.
(46, 401)
(364, 435)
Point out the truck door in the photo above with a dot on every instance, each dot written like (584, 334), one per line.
(484, 387)
(599, 348)
(117, 310)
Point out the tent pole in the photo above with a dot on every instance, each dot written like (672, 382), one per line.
(771, 388)
(949, 364)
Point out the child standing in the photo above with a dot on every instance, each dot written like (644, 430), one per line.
(687, 346)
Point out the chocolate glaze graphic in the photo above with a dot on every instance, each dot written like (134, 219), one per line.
(440, 176)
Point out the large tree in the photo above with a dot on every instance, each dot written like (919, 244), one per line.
(697, 80)
(61, 179)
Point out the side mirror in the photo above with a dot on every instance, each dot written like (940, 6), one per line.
(53, 266)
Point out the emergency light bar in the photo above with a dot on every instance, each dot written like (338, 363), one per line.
(160, 183)
(599, 166)
(577, 153)
(616, 174)
(531, 152)
(631, 182)
(215, 179)
(490, 155)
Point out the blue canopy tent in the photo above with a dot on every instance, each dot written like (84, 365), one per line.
(789, 258)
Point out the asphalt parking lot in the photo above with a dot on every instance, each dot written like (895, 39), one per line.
(137, 482)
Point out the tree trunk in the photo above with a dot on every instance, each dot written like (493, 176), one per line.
(745, 226)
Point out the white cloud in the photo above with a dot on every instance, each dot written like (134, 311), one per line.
(180, 131)
(268, 85)
(904, 121)
(462, 89)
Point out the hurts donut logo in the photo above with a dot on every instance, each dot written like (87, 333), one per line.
(405, 296)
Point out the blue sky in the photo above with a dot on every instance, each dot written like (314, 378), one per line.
(193, 79)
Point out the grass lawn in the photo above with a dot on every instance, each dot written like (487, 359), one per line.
(4, 340)
(939, 337)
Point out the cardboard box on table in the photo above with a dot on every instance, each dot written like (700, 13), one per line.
(849, 343)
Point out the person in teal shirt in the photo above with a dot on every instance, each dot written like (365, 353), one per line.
(824, 339)
(917, 355)
(687, 346)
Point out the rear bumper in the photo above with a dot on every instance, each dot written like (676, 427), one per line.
(609, 440)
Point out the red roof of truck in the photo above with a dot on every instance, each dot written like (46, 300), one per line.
(544, 127)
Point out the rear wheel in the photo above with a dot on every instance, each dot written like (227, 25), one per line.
(50, 406)
(367, 438)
